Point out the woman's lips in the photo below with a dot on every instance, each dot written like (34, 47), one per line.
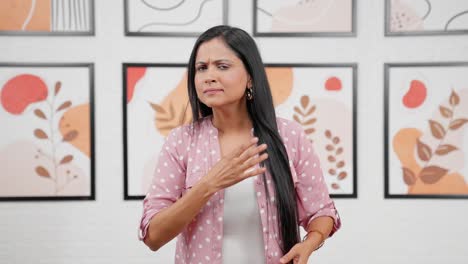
(212, 91)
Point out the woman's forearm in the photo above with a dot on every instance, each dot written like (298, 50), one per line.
(318, 230)
(168, 223)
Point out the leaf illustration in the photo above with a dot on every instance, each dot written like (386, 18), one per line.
(328, 134)
(342, 175)
(70, 135)
(437, 130)
(311, 110)
(40, 114)
(445, 112)
(331, 159)
(339, 151)
(41, 171)
(159, 109)
(64, 105)
(39, 133)
(332, 171)
(298, 110)
(66, 159)
(58, 86)
(454, 99)
(309, 131)
(329, 147)
(310, 122)
(335, 186)
(336, 140)
(340, 164)
(432, 174)
(297, 119)
(424, 151)
(444, 149)
(304, 101)
(408, 176)
(457, 123)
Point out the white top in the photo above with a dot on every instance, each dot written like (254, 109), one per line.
(242, 230)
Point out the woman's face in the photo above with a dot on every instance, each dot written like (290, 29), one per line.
(220, 76)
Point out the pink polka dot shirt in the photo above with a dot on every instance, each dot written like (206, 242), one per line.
(186, 157)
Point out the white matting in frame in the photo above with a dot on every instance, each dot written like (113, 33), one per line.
(182, 18)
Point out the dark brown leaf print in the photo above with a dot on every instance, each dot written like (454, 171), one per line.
(330, 147)
(58, 86)
(331, 159)
(342, 175)
(335, 186)
(41, 171)
(64, 105)
(340, 164)
(445, 149)
(39, 133)
(424, 151)
(70, 135)
(437, 129)
(408, 176)
(66, 159)
(457, 123)
(40, 114)
(339, 151)
(328, 133)
(432, 174)
(445, 112)
(454, 99)
(304, 101)
(332, 171)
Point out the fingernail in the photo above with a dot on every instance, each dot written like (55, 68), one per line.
(255, 139)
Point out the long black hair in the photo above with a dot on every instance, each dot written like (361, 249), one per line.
(262, 114)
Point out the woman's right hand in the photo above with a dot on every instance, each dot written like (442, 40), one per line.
(236, 166)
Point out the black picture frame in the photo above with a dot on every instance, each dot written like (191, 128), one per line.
(387, 67)
(127, 32)
(92, 196)
(389, 33)
(256, 33)
(76, 4)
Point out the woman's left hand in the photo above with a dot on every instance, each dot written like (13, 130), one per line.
(300, 253)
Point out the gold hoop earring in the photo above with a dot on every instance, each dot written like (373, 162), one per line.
(249, 93)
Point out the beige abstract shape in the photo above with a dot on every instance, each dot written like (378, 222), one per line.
(281, 83)
(77, 119)
(29, 15)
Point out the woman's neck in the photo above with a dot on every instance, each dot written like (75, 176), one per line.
(231, 120)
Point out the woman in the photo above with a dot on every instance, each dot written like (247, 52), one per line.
(235, 184)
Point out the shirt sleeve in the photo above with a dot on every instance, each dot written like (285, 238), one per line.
(168, 179)
(313, 198)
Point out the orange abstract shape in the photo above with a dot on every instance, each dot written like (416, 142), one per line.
(175, 109)
(281, 83)
(405, 144)
(333, 84)
(21, 91)
(134, 74)
(29, 15)
(76, 122)
(416, 94)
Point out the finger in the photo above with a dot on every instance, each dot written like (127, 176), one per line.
(236, 153)
(253, 172)
(289, 256)
(252, 162)
(251, 152)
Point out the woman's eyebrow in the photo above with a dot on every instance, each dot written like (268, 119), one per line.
(216, 61)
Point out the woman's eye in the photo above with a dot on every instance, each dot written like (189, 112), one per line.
(201, 68)
(223, 66)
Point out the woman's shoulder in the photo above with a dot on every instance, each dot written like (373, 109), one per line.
(187, 131)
